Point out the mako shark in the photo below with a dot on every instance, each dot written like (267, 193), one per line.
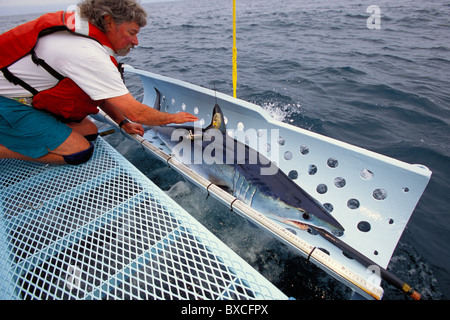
(245, 173)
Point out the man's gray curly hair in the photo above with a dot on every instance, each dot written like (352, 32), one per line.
(119, 10)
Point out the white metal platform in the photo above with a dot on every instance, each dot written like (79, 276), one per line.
(371, 195)
(102, 230)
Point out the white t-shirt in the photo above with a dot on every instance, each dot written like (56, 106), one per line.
(83, 60)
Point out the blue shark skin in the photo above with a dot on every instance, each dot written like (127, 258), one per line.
(238, 169)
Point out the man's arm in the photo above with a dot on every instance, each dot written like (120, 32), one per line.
(118, 116)
(143, 114)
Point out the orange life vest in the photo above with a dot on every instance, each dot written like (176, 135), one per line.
(66, 99)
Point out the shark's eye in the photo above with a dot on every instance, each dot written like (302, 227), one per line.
(306, 216)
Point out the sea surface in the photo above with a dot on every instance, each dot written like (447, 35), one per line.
(318, 65)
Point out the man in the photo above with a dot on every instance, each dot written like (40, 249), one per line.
(46, 94)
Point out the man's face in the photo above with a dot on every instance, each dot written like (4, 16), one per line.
(123, 37)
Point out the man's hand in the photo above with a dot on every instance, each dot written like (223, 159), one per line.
(182, 117)
(133, 128)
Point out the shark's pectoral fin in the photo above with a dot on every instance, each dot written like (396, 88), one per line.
(225, 188)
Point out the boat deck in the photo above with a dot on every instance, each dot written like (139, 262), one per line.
(102, 230)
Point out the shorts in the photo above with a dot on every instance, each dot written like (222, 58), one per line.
(29, 131)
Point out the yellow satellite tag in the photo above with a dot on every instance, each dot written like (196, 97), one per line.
(217, 121)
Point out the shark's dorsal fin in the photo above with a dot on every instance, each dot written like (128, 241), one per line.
(157, 104)
(217, 121)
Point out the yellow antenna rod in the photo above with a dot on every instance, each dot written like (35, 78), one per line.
(234, 50)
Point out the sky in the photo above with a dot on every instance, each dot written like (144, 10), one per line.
(11, 7)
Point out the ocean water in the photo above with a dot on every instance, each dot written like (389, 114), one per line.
(317, 65)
